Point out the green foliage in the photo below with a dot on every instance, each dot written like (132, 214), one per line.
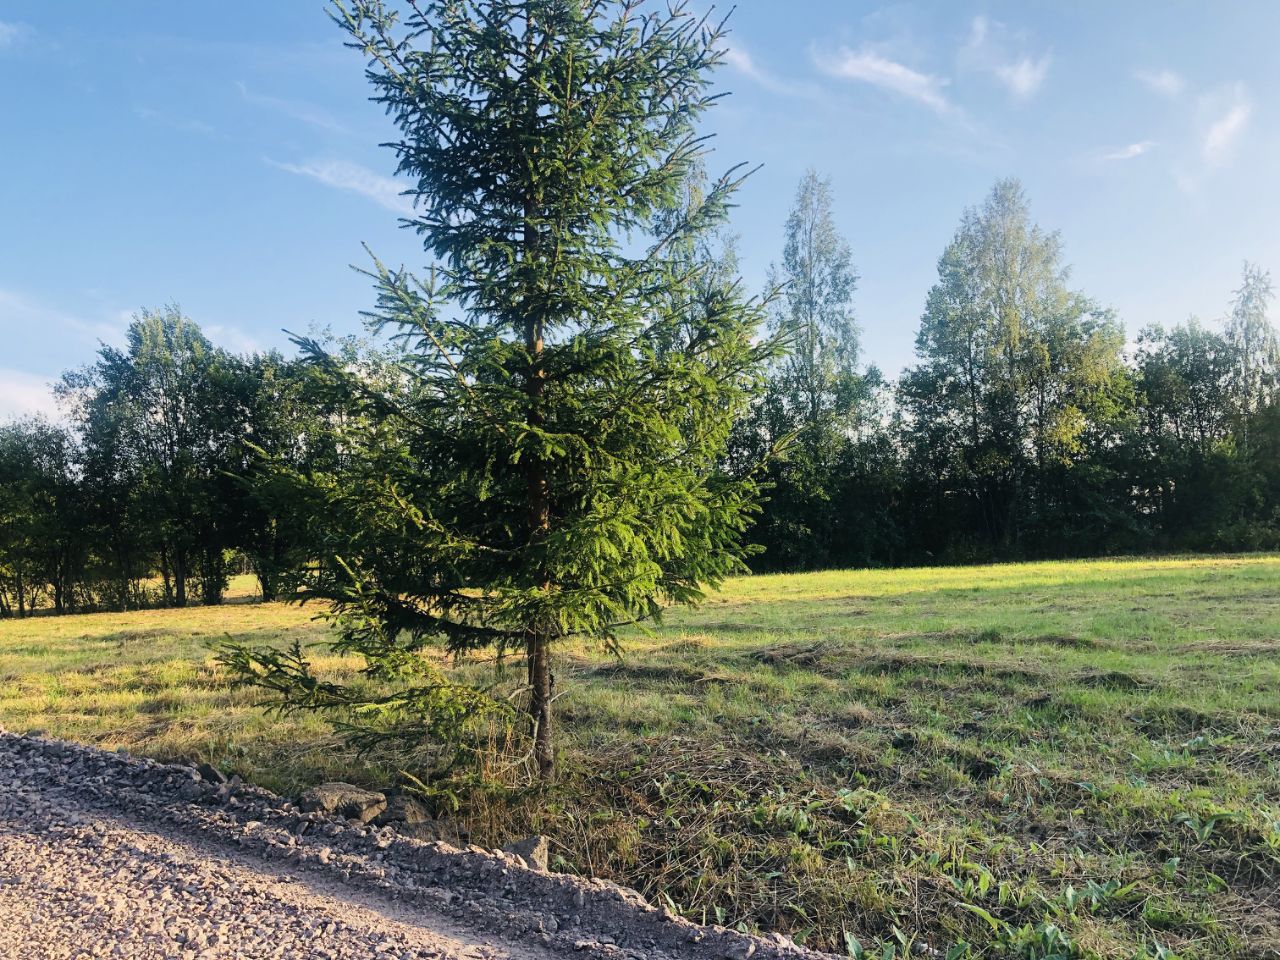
(152, 492)
(818, 379)
(409, 704)
(156, 417)
(1016, 369)
(42, 544)
(1202, 449)
(1254, 341)
(819, 409)
(1022, 430)
(1019, 434)
(542, 462)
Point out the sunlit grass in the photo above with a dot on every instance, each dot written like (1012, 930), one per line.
(1004, 736)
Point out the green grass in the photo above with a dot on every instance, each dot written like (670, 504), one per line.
(988, 755)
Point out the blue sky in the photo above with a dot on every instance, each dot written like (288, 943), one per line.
(153, 151)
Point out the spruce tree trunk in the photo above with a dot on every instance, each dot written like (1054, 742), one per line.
(539, 654)
(538, 641)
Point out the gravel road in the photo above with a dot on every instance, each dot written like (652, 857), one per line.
(103, 855)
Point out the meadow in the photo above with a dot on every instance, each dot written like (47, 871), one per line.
(1036, 760)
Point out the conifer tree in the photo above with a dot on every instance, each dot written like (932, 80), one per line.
(543, 461)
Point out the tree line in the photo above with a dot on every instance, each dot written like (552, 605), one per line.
(152, 492)
(1028, 427)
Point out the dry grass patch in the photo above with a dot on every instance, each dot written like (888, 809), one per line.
(1071, 758)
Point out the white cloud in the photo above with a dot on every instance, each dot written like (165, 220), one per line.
(866, 66)
(11, 33)
(25, 394)
(28, 314)
(344, 175)
(1164, 82)
(742, 61)
(1025, 77)
(1131, 151)
(302, 112)
(1221, 120)
(978, 31)
(988, 51)
(1222, 135)
(232, 338)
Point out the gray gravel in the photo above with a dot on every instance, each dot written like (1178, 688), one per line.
(103, 855)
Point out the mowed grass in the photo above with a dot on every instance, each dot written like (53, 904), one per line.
(1053, 758)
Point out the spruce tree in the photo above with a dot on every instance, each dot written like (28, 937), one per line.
(543, 461)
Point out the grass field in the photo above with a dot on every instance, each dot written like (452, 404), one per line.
(1052, 759)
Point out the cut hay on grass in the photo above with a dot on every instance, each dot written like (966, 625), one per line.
(1081, 758)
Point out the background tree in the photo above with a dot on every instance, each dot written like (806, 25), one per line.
(815, 312)
(1023, 431)
(151, 391)
(1187, 415)
(44, 543)
(284, 430)
(545, 464)
(708, 258)
(18, 522)
(160, 420)
(814, 391)
(117, 509)
(1014, 368)
(1256, 346)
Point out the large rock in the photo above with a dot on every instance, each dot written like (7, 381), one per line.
(402, 808)
(535, 851)
(449, 831)
(211, 774)
(344, 800)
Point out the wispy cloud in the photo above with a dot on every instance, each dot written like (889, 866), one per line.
(1222, 120)
(299, 110)
(867, 66)
(12, 33)
(232, 338)
(742, 61)
(26, 313)
(1130, 152)
(345, 175)
(1025, 77)
(989, 49)
(25, 394)
(1221, 137)
(1164, 82)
